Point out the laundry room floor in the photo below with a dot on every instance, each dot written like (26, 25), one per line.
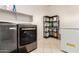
(50, 45)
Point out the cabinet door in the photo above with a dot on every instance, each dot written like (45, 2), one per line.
(7, 16)
(70, 40)
(8, 38)
(24, 17)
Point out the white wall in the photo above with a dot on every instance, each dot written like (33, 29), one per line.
(69, 15)
(38, 11)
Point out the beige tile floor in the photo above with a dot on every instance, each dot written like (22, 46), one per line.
(50, 45)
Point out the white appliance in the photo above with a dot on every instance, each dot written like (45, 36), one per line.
(69, 31)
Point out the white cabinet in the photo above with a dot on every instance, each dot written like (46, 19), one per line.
(2, 6)
(70, 40)
(24, 14)
(24, 17)
(6, 15)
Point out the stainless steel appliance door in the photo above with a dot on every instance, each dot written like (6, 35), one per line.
(27, 35)
(8, 38)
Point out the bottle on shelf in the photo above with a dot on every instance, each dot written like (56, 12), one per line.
(51, 19)
(54, 19)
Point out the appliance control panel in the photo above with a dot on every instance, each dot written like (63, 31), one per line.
(28, 28)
